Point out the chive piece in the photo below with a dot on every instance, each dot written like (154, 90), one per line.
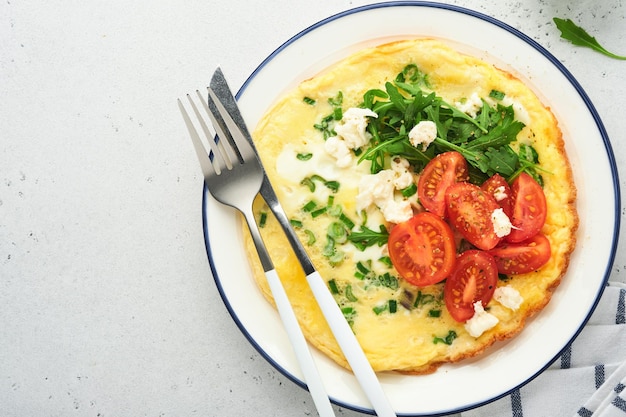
(349, 294)
(409, 191)
(309, 183)
(337, 113)
(304, 156)
(311, 237)
(334, 211)
(337, 231)
(263, 219)
(447, 339)
(310, 206)
(362, 268)
(318, 212)
(393, 306)
(331, 201)
(498, 95)
(332, 285)
(332, 185)
(309, 101)
(434, 313)
(379, 309)
(295, 222)
(336, 259)
(347, 221)
(386, 260)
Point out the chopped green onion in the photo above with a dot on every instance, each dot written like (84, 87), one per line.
(349, 294)
(295, 222)
(434, 313)
(379, 309)
(304, 156)
(347, 221)
(332, 185)
(447, 339)
(319, 211)
(309, 100)
(263, 219)
(310, 206)
(393, 306)
(337, 231)
(309, 183)
(386, 260)
(332, 285)
(311, 237)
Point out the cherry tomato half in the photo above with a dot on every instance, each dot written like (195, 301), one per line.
(474, 278)
(522, 257)
(529, 208)
(441, 172)
(469, 210)
(499, 189)
(422, 249)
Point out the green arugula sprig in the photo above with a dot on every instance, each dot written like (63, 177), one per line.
(484, 140)
(579, 36)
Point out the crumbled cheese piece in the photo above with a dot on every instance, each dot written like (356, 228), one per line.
(353, 127)
(338, 149)
(500, 193)
(470, 105)
(481, 321)
(379, 190)
(423, 133)
(404, 177)
(508, 297)
(501, 223)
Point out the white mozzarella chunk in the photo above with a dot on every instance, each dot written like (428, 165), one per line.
(353, 127)
(481, 321)
(508, 297)
(470, 105)
(423, 133)
(501, 223)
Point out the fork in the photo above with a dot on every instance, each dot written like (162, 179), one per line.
(339, 326)
(233, 176)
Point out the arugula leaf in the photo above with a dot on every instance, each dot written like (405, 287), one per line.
(366, 237)
(579, 36)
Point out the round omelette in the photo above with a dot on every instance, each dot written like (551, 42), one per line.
(346, 165)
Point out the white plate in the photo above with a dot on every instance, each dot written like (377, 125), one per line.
(509, 365)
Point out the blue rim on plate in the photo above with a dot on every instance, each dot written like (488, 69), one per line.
(556, 63)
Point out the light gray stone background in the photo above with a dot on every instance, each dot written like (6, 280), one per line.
(107, 307)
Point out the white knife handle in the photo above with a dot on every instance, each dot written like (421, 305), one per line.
(300, 346)
(350, 346)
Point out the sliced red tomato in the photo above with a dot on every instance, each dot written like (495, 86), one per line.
(529, 208)
(422, 249)
(469, 210)
(499, 189)
(441, 172)
(474, 278)
(522, 257)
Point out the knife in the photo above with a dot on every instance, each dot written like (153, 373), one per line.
(339, 326)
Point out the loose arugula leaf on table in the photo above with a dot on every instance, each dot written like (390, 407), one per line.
(579, 36)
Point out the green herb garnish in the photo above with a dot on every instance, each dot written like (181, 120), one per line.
(579, 36)
(448, 339)
(366, 237)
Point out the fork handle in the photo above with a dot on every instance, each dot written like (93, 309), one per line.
(301, 349)
(290, 322)
(350, 346)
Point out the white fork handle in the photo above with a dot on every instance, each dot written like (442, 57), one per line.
(350, 346)
(300, 346)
